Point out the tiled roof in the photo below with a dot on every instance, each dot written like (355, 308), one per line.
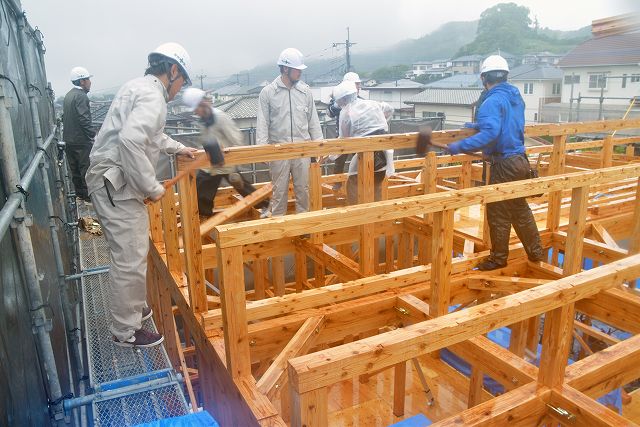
(455, 96)
(244, 107)
(457, 81)
(535, 72)
(619, 49)
(398, 84)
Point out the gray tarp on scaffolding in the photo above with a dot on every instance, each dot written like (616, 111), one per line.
(23, 398)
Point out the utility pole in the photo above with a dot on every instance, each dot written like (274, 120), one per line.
(201, 77)
(347, 44)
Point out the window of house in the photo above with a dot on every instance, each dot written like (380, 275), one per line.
(597, 81)
(535, 117)
(430, 114)
(557, 87)
(635, 78)
(567, 79)
(528, 88)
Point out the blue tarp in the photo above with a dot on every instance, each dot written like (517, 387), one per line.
(199, 419)
(416, 421)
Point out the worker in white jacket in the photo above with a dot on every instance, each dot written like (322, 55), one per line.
(122, 175)
(288, 114)
(362, 117)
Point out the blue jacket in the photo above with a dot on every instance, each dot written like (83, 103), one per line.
(500, 124)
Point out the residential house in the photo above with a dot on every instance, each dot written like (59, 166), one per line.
(454, 106)
(395, 93)
(437, 68)
(607, 66)
(541, 58)
(468, 64)
(457, 81)
(235, 90)
(539, 85)
(242, 109)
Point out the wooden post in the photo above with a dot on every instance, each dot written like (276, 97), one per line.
(170, 232)
(575, 233)
(465, 177)
(365, 195)
(301, 270)
(388, 253)
(315, 202)
(634, 238)
(399, 385)
(556, 166)
(234, 311)
(155, 222)
(259, 269)
(518, 339)
(629, 150)
(405, 251)
(475, 386)
(277, 271)
(189, 218)
(442, 247)
(309, 409)
(429, 174)
(606, 160)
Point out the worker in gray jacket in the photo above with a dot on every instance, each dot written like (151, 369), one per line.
(77, 132)
(122, 176)
(217, 127)
(288, 114)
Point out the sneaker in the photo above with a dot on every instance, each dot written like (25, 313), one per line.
(488, 265)
(141, 338)
(265, 213)
(146, 313)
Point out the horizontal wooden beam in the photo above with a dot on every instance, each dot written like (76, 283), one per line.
(366, 213)
(343, 266)
(615, 307)
(488, 282)
(587, 412)
(331, 366)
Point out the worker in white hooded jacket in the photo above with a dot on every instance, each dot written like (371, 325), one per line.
(122, 175)
(287, 113)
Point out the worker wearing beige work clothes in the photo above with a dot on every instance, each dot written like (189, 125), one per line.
(287, 113)
(122, 175)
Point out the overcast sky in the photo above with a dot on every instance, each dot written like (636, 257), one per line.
(112, 37)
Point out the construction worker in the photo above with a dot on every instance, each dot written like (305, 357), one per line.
(500, 125)
(122, 176)
(219, 127)
(362, 117)
(287, 113)
(334, 112)
(78, 133)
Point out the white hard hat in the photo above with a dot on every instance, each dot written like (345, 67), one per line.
(79, 73)
(351, 77)
(494, 63)
(292, 58)
(176, 54)
(344, 89)
(192, 97)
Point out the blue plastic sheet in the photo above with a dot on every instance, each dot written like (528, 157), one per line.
(416, 421)
(199, 419)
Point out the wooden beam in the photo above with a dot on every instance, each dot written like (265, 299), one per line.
(237, 209)
(442, 246)
(556, 167)
(309, 409)
(587, 412)
(344, 267)
(330, 366)
(603, 235)
(493, 283)
(399, 386)
(275, 376)
(170, 232)
(556, 341)
(575, 234)
(615, 307)
(366, 195)
(634, 237)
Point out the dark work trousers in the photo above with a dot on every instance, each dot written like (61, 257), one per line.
(78, 159)
(352, 187)
(207, 186)
(338, 164)
(502, 215)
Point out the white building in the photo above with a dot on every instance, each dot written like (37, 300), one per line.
(454, 105)
(604, 65)
(395, 92)
(539, 85)
(437, 68)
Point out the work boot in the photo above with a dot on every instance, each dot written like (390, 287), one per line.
(141, 338)
(489, 264)
(146, 313)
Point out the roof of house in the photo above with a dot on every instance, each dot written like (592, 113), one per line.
(619, 49)
(469, 58)
(451, 96)
(238, 89)
(398, 84)
(243, 107)
(535, 72)
(457, 81)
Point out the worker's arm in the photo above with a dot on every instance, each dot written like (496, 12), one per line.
(315, 131)
(84, 116)
(489, 126)
(344, 127)
(262, 124)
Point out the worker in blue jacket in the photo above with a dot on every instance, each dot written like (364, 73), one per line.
(500, 137)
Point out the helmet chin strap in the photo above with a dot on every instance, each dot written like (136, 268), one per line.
(171, 80)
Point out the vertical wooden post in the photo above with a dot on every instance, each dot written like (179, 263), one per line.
(441, 254)
(170, 229)
(399, 385)
(277, 271)
(629, 150)
(309, 409)
(365, 195)
(475, 386)
(301, 270)
(234, 311)
(556, 166)
(388, 253)
(155, 222)
(259, 269)
(405, 251)
(533, 334)
(189, 217)
(575, 233)
(429, 174)
(465, 177)
(634, 238)
(606, 159)
(315, 202)
(518, 340)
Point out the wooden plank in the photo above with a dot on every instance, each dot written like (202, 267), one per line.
(606, 159)
(615, 307)
(399, 386)
(277, 275)
(309, 409)
(385, 350)
(155, 222)
(429, 173)
(603, 235)
(575, 233)
(275, 376)
(345, 268)
(315, 204)
(587, 411)
(442, 246)
(366, 195)
(595, 333)
(170, 232)
(493, 283)
(556, 167)
(634, 237)
(189, 218)
(388, 210)
(236, 209)
(234, 313)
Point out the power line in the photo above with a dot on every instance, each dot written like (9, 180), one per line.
(347, 44)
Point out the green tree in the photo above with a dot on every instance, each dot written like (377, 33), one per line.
(504, 26)
(394, 72)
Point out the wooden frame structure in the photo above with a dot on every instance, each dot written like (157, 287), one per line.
(265, 350)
